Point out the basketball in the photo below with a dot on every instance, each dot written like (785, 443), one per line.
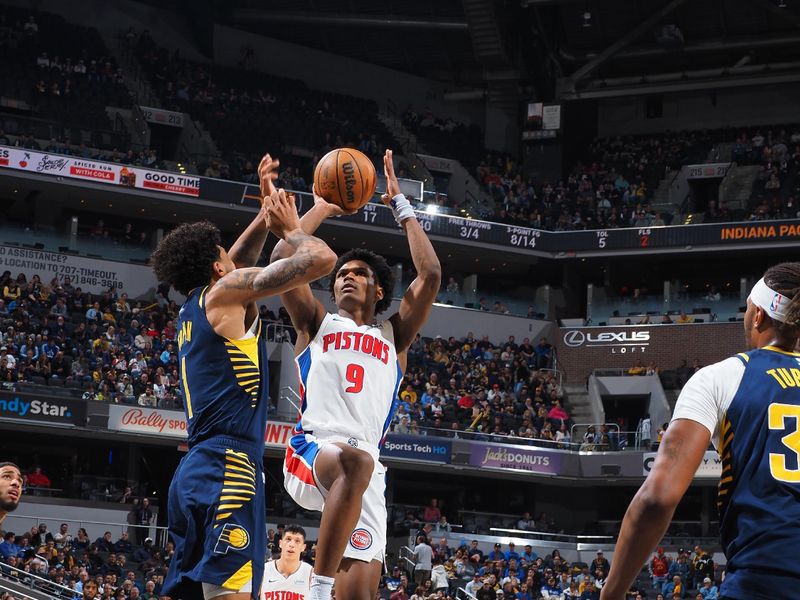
(345, 177)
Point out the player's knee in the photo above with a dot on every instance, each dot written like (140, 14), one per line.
(357, 467)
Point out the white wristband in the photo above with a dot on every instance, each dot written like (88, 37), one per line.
(401, 208)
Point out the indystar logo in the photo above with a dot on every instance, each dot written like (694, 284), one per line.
(577, 338)
(23, 408)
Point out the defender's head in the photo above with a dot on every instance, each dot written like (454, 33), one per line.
(10, 486)
(190, 256)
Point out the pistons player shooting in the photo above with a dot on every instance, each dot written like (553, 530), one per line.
(350, 368)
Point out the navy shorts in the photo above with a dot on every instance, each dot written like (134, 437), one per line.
(217, 519)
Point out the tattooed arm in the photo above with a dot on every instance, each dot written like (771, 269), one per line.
(229, 297)
(651, 510)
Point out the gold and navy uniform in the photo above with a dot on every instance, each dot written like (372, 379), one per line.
(216, 505)
(759, 491)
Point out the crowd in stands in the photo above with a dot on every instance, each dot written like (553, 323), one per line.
(61, 77)
(511, 573)
(775, 192)
(472, 386)
(70, 565)
(142, 158)
(241, 111)
(611, 188)
(103, 346)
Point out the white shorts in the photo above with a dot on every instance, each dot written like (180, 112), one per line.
(368, 540)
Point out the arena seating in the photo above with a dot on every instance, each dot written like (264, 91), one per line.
(57, 78)
(473, 389)
(48, 560)
(244, 111)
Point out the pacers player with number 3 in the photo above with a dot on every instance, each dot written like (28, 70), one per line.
(749, 405)
(350, 368)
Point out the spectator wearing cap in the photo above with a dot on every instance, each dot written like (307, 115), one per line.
(709, 591)
(497, 553)
(474, 585)
(487, 592)
(600, 562)
(681, 567)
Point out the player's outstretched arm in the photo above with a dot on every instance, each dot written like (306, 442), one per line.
(247, 249)
(650, 512)
(311, 260)
(304, 309)
(418, 298)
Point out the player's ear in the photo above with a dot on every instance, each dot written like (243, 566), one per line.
(379, 292)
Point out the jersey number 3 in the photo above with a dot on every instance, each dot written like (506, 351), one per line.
(779, 414)
(355, 375)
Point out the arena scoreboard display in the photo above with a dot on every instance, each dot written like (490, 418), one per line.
(32, 165)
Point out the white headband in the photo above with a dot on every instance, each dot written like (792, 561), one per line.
(773, 303)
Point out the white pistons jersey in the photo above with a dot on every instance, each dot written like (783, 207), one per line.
(275, 586)
(349, 377)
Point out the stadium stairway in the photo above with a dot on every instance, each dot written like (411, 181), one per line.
(580, 408)
(737, 186)
(22, 591)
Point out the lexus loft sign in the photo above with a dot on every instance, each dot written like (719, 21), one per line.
(620, 342)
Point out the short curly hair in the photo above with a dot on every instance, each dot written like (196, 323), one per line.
(383, 272)
(185, 256)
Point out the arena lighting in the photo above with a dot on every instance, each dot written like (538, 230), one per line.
(781, 3)
(587, 18)
(431, 209)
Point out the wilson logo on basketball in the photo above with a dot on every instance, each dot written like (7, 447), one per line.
(349, 180)
(361, 539)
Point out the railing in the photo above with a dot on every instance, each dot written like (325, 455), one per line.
(160, 537)
(35, 582)
(275, 331)
(555, 537)
(559, 375)
(478, 436)
(291, 396)
(463, 594)
(407, 554)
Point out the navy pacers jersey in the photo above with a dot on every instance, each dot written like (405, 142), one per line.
(224, 382)
(759, 492)
(216, 504)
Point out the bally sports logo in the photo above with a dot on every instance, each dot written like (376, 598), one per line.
(361, 539)
(618, 341)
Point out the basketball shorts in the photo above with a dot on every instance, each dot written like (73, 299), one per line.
(368, 539)
(216, 511)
